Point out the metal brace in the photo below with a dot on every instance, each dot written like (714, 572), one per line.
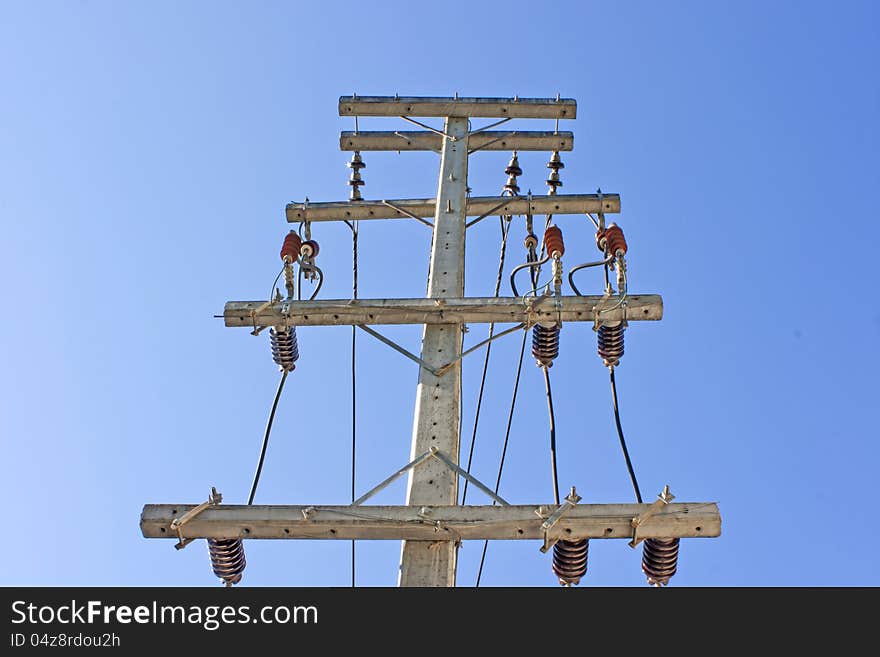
(663, 499)
(419, 460)
(178, 523)
(548, 524)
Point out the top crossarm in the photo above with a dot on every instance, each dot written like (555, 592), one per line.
(490, 108)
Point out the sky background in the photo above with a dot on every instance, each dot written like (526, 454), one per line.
(147, 151)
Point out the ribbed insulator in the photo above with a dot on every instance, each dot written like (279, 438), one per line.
(356, 162)
(660, 560)
(614, 239)
(290, 248)
(285, 350)
(553, 243)
(611, 240)
(545, 344)
(610, 341)
(513, 170)
(511, 186)
(570, 561)
(555, 162)
(227, 559)
(354, 180)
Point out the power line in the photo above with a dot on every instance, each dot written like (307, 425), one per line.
(266, 437)
(522, 351)
(504, 232)
(552, 417)
(629, 465)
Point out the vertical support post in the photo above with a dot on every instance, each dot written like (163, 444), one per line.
(438, 400)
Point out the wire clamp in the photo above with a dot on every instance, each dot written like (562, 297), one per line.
(662, 500)
(178, 523)
(570, 501)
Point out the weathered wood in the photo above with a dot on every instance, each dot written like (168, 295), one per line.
(490, 108)
(490, 140)
(476, 206)
(431, 523)
(474, 310)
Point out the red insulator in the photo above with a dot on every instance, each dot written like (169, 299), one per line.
(614, 240)
(313, 245)
(290, 248)
(553, 241)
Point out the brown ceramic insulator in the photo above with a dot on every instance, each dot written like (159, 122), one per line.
(290, 248)
(553, 244)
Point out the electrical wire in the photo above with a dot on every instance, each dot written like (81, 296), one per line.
(354, 295)
(522, 351)
(266, 438)
(629, 465)
(505, 229)
(552, 417)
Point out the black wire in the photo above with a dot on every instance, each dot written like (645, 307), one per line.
(552, 434)
(266, 438)
(354, 295)
(504, 232)
(522, 352)
(629, 466)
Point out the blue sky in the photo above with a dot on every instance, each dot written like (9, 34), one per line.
(148, 150)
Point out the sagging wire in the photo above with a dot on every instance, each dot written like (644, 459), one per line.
(522, 351)
(354, 295)
(505, 229)
(510, 188)
(268, 431)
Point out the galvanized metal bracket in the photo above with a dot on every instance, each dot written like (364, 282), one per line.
(419, 460)
(662, 500)
(177, 524)
(570, 501)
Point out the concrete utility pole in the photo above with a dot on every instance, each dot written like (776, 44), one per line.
(432, 522)
(438, 399)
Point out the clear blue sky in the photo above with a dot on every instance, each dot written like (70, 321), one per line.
(147, 151)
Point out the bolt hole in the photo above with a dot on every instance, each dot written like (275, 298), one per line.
(520, 532)
(247, 531)
(609, 530)
(699, 529)
(286, 531)
(162, 529)
(430, 481)
(568, 531)
(333, 531)
(173, 512)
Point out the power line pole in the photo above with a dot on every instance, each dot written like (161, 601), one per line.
(432, 523)
(438, 399)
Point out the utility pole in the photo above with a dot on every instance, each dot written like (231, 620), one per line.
(431, 523)
(438, 399)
